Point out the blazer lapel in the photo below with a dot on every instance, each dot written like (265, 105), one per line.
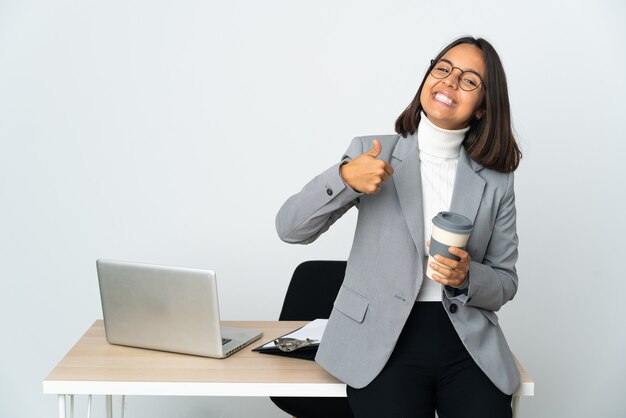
(466, 195)
(408, 184)
(468, 187)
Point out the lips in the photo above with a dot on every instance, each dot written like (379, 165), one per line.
(440, 97)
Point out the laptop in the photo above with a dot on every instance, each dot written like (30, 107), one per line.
(166, 308)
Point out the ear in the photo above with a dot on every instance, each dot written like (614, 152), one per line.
(478, 114)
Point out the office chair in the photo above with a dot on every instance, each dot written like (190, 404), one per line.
(310, 295)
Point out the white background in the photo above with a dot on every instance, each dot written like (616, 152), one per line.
(171, 132)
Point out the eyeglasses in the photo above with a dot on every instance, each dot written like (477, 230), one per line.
(468, 80)
(287, 344)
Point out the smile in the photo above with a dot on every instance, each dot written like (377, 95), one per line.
(443, 99)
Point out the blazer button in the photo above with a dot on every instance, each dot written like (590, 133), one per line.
(453, 308)
(329, 192)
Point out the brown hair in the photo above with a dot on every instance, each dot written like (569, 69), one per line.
(490, 140)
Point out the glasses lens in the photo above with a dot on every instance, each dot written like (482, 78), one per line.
(469, 81)
(441, 70)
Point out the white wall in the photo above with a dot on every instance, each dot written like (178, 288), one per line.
(171, 132)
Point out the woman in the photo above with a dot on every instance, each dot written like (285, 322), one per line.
(407, 345)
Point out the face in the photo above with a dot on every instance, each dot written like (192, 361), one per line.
(444, 102)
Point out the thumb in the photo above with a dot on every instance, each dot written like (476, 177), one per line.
(376, 149)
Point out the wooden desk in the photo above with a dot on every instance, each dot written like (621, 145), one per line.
(94, 367)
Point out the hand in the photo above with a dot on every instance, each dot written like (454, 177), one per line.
(451, 272)
(366, 173)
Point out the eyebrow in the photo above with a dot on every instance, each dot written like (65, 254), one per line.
(471, 70)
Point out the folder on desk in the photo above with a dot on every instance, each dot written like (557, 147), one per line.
(309, 337)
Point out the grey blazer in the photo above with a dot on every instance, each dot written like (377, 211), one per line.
(386, 264)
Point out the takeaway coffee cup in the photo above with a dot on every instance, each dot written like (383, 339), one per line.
(449, 230)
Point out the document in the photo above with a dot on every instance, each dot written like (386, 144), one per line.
(312, 331)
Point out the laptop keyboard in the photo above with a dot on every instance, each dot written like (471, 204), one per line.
(226, 341)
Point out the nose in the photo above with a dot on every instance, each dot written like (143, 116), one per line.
(452, 80)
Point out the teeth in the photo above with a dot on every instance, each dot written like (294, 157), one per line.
(443, 98)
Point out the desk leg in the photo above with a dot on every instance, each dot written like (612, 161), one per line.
(61, 406)
(109, 403)
(515, 406)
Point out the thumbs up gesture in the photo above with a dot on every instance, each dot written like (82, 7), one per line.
(366, 173)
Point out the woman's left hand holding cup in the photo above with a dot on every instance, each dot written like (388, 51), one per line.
(451, 272)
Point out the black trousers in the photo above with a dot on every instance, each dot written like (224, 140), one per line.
(430, 370)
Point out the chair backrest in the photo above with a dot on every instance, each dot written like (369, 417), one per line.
(312, 290)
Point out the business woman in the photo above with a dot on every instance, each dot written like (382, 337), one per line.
(406, 345)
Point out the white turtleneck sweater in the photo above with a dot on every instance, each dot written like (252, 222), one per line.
(439, 155)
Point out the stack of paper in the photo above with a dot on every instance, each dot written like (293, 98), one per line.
(313, 331)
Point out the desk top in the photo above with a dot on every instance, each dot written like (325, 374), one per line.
(94, 366)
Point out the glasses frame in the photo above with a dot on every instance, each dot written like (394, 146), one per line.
(458, 79)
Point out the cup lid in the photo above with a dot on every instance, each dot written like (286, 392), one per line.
(453, 222)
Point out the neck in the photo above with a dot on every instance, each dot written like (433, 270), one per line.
(438, 142)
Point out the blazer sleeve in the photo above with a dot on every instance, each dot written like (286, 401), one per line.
(493, 282)
(309, 213)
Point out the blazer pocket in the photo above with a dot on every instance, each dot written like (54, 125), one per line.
(491, 316)
(351, 304)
